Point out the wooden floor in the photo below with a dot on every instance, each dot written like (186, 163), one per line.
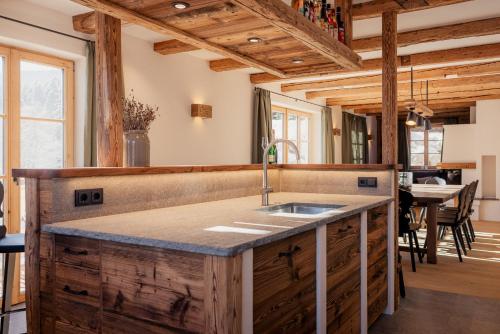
(450, 296)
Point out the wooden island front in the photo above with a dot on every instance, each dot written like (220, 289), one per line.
(328, 275)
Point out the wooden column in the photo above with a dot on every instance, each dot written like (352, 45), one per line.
(348, 21)
(109, 83)
(390, 118)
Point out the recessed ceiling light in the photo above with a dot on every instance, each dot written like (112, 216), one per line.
(297, 60)
(254, 40)
(180, 5)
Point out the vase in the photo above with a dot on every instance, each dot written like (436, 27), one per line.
(136, 148)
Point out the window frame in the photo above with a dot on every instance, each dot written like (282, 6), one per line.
(426, 147)
(12, 141)
(298, 114)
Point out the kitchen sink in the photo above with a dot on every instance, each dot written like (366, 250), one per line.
(302, 208)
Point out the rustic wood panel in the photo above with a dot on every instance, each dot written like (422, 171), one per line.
(284, 285)
(113, 323)
(109, 81)
(47, 280)
(77, 251)
(163, 287)
(77, 315)
(32, 256)
(377, 289)
(343, 276)
(223, 294)
(377, 234)
(64, 328)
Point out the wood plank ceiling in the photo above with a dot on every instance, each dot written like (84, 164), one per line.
(224, 27)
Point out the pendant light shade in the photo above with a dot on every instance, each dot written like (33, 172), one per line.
(420, 122)
(411, 120)
(428, 125)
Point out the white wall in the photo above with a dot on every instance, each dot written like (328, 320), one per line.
(469, 142)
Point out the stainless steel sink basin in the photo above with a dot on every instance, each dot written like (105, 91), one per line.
(302, 208)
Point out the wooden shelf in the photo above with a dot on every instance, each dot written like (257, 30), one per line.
(224, 27)
(456, 165)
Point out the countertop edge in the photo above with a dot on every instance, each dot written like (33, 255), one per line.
(207, 250)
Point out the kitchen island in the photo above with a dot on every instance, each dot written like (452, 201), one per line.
(220, 266)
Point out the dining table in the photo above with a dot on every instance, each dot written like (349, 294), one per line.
(431, 196)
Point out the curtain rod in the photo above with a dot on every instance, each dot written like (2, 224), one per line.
(294, 98)
(43, 28)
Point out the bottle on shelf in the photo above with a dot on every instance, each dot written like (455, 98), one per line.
(340, 24)
(272, 155)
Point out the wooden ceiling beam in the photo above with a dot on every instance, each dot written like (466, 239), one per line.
(404, 88)
(454, 31)
(173, 46)
(375, 8)
(457, 96)
(436, 107)
(122, 13)
(418, 75)
(470, 53)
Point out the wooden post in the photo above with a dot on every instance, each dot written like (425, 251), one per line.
(109, 83)
(390, 118)
(348, 22)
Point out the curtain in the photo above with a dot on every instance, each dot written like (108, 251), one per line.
(403, 146)
(327, 135)
(354, 139)
(90, 135)
(262, 122)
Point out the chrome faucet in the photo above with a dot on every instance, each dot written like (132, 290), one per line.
(266, 189)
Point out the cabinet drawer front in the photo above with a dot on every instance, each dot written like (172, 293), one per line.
(377, 234)
(77, 251)
(81, 316)
(113, 323)
(81, 285)
(343, 276)
(160, 286)
(377, 289)
(285, 285)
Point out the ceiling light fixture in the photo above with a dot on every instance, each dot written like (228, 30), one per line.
(428, 125)
(411, 120)
(420, 122)
(297, 60)
(180, 5)
(254, 40)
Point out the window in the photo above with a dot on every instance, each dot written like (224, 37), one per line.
(36, 128)
(358, 147)
(426, 146)
(293, 125)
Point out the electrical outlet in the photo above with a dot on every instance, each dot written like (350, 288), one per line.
(367, 182)
(84, 197)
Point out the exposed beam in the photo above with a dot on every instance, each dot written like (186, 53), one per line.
(84, 23)
(277, 14)
(442, 105)
(448, 32)
(418, 75)
(109, 81)
(478, 52)
(122, 13)
(447, 97)
(404, 88)
(173, 46)
(377, 7)
(221, 65)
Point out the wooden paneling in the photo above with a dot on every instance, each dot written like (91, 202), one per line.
(47, 281)
(158, 286)
(377, 262)
(77, 284)
(109, 81)
(284, 285)
(375, 8)
(343, 276)
(113, 323)
(77, 315)
(223, 294)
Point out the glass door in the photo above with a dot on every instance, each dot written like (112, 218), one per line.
(39, 130)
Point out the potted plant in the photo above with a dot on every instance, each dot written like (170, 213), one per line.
(137, 119)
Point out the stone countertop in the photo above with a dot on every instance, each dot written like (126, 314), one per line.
(222, 228)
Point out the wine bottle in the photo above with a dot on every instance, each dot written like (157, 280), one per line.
(340, 25)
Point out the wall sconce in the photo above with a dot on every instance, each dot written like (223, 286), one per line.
(201, 110)
(337, 132)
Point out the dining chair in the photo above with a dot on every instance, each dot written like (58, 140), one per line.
(454, 219)
(408, 227)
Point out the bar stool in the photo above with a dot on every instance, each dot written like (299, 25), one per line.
(10, 245)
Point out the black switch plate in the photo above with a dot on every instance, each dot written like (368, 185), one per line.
(367, 182)
(84, 197)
